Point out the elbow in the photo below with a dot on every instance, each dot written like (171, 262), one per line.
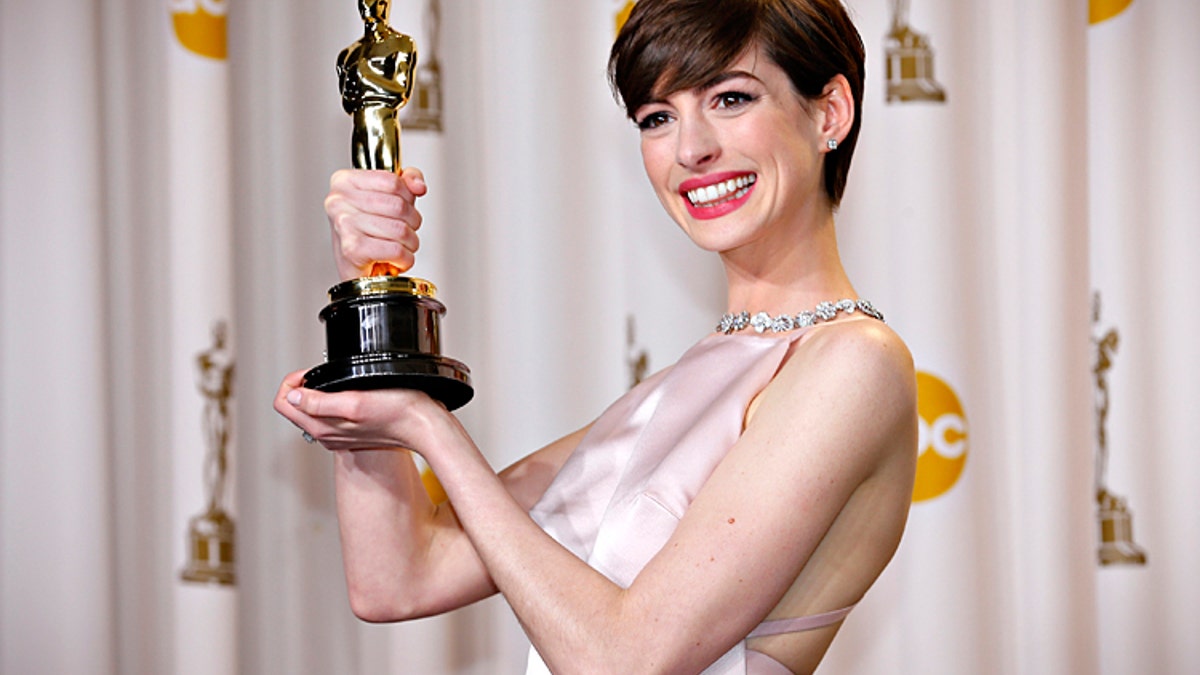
(376, 605)
(369, 608)
(366, 609)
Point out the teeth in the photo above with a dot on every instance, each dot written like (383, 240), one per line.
(730, 189)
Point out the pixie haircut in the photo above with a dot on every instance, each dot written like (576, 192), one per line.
(669, 46)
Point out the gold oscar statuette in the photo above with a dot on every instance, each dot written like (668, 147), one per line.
(382, 331)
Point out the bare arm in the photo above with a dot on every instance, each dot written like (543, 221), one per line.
(404, 556)
(825, 428)
(837, 418)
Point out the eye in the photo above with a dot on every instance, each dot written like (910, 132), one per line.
(653, 120)
(733, 99)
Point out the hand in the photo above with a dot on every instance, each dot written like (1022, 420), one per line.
(373, 218)
(364, 420)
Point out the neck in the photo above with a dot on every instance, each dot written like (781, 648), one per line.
(789, 272)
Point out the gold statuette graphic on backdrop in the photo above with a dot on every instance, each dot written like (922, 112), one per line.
(1115, 520)
(211, 534)
(425, 113)
(909, 61)
(638, 360)
(382, 331)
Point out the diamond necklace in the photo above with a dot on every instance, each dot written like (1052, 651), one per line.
(824, 311)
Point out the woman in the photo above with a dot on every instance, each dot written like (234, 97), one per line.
(728, 512)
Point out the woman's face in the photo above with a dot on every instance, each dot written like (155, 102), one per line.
(737, 160)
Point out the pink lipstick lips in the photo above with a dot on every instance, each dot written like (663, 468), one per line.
(715, 195)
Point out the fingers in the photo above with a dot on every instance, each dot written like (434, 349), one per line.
(414, 180)
(293, 382)
(359, 420)
(373, 218)
(359, 240)
(298, 406)
(311, 409)
(353, 408)
(380, 192)
(315, 411)
(411, 179)
(319, 405)
(288, 390)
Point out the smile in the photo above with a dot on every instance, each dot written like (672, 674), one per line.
(716, 194)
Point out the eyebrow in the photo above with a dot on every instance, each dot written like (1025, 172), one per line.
(721, 78)
(715, 80)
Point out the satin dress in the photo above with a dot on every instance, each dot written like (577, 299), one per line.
(619, 496)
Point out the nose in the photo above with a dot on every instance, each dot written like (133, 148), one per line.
(697, 143)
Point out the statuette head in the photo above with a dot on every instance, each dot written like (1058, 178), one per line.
(375, 10)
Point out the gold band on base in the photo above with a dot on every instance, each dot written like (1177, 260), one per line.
(380, 285)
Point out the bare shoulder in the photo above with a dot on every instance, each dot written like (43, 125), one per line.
(864, 350)
(863, 356)
(852, 378)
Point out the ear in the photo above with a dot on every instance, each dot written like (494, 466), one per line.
(836, 109)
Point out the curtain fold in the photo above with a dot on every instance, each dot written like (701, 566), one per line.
(148, 540)
(56, 531)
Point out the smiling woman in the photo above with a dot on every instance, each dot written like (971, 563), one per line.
(727, 513)
(746, 144)
(811, 41)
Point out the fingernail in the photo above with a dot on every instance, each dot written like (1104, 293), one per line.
(293, 397)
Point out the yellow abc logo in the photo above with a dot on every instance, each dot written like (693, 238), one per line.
(433, 486)
(1102, 10)
(943, 438)
(200, 26)
(623, 15)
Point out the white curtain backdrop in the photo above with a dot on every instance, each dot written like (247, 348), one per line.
(1143, 94)
(56, 524)
(965, 217)
(1061, 163)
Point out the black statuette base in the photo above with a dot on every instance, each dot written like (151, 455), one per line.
(388, 340)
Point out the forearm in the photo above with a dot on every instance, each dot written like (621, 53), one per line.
(578, 619)
(382, 512)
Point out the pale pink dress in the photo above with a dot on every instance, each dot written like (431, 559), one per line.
(620, 495)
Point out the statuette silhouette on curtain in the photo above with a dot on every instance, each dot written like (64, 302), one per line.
(637, 359)
(425, 113)
(909, 61)
(1115, 520)
(211, 534)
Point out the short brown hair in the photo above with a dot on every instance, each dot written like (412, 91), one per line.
(675, 45)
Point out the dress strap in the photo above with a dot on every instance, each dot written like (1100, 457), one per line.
(799, 624)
